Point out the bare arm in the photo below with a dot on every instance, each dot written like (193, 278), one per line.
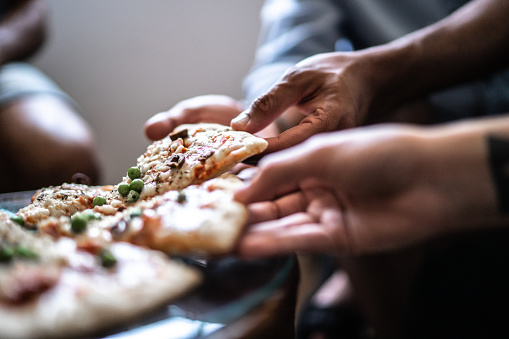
(22, 29)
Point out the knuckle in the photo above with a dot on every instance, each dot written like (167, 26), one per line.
(265, 103)
(320, 121)
(190, 114)
(298, 74)
(291, 73)
(185, 111)
(329, 120)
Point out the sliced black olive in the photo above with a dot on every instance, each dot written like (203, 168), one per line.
(180, 134)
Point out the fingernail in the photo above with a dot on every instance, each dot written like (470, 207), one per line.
(242, 119)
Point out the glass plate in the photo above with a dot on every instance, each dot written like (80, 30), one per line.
(231, 288)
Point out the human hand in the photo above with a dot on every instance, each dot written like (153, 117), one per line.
(365, 190)
(219, 109)
(330, 91)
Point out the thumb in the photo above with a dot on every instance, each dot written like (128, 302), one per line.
(159, 126)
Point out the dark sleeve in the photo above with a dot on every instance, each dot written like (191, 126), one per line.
(487, 96)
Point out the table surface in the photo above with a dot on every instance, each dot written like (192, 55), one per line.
(243, 296)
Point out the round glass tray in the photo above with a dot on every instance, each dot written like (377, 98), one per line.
(231, 288)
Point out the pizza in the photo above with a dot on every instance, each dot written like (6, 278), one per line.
(54, 288)
(81, 258)
(64, 200)
(200, 220)
(180, 212)
(184, 202)
(190, 155)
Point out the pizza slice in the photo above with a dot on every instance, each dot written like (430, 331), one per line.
(200, 219)
(52, 289)
(190, 155)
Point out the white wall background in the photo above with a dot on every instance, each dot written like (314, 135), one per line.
(125, 60)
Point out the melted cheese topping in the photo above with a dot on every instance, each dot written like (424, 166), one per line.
(200, 218)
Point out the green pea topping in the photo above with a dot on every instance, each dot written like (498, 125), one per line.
(6, 253)
(133, 196)
(99, 201)
(134, 173)
(90, 215)
(136, 185)
(123, 189)
(136, 212)
(79, 223)
(17, 219)
(25, 253)
(107, 258)
(181, 197)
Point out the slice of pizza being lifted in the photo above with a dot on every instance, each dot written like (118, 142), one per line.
(190, 155)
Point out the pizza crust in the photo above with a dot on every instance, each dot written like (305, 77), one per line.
(235, 147)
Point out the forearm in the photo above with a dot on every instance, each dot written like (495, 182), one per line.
(471, 186)
(22, 30)
(468, 43)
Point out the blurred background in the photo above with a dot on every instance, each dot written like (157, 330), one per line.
(125, 60)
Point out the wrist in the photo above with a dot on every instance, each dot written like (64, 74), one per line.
(459, 177)
(389, 75)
